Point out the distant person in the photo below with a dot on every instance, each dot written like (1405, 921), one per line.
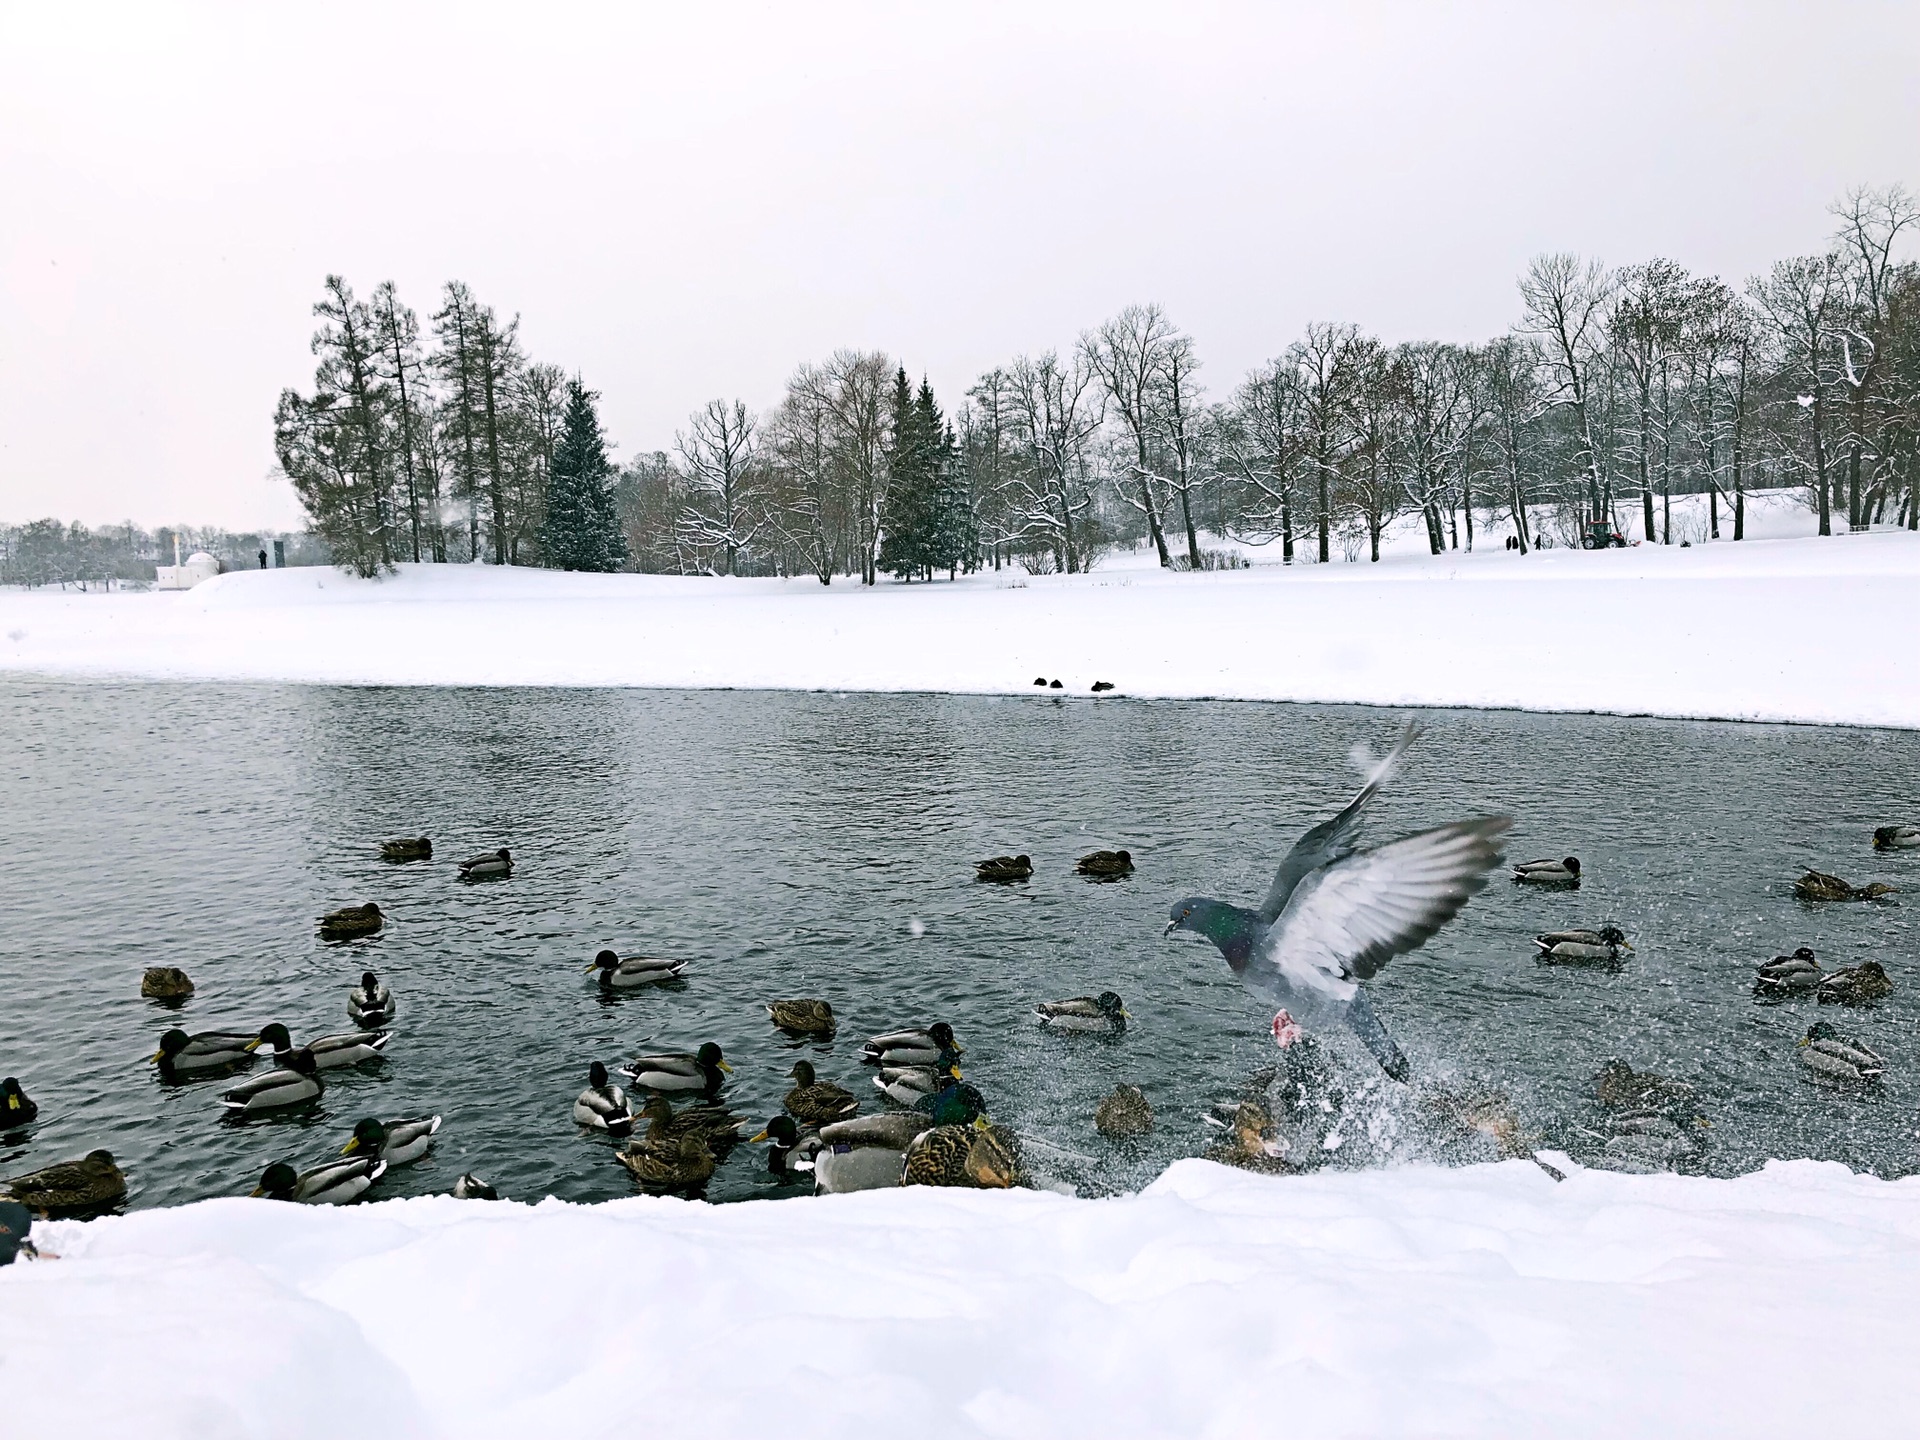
(263, 559)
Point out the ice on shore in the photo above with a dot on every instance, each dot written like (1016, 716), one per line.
(1480, 1301)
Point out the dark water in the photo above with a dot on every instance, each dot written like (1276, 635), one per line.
(786, 842)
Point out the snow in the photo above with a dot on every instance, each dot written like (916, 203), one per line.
(1796, 629)
(1484, 1300)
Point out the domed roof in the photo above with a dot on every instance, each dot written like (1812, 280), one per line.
(201, 557)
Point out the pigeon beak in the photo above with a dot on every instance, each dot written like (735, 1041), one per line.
(756, 1139)
(1172, 925)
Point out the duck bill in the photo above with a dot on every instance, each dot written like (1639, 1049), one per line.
(756, 1139)
(592, 968)
(253, 1044)
(256, 1192)
(156, 1057)
(351, 1146)
(724, 1066)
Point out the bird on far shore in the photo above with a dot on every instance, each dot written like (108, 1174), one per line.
(1336, 914)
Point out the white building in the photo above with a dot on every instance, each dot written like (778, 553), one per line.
(199, 566)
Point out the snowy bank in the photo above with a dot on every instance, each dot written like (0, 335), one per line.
(1478, 1301)
(1823, 630)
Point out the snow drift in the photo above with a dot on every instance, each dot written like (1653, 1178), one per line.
(1478, 1301)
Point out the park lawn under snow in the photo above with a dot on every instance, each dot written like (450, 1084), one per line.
(1482, 1301)
(1804, 629)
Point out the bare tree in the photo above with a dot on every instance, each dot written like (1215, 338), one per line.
(1055, 410)
(1796, 300)
(1566, 302)
(1870, 223)
(717, 453)
(810, 506)
(1130, 355)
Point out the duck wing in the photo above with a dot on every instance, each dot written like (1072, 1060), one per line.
(1084, 1007)
(1346, 921)
(1335, 839)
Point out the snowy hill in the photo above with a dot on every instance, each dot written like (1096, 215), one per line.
(1792, 629)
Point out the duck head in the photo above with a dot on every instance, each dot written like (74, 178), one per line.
(657, 1108)
(1613, 936)
(278, 1183)
(802, 1073)
(1111, 1006)
(941, 1033)
(1819, 1030)
(171, 1044)
(12, 1098)
(367, 1135)
(781, 1131)
(597, 1075)
(370, 983)
(606, 962)
(275, 1035)
(711, 1060)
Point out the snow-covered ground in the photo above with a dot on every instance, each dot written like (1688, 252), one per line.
(1805, 629)
(1483, 1301)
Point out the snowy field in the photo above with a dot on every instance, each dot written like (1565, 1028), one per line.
(1483, 1301)
(1795, 628)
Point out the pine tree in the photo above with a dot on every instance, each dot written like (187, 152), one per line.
(953, 540)
(904, 513)
(582, 530)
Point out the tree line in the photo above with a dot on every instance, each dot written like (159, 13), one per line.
(1613, 391)
(55, 552)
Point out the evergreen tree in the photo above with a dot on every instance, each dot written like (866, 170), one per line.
(953, 539)
(903, 512)
(582, 530)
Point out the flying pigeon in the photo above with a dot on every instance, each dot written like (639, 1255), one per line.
(1337, 914)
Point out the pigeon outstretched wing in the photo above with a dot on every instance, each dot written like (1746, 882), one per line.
(1345, 922)
(1333, 839)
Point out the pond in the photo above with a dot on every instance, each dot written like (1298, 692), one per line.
(823, 845)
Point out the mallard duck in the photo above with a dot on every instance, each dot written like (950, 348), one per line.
(687, 1166)
(1793, 974)
(1056, 685)
(292, 1081)
(802, 1017)
(352, 922)
(1619, 1086)
(1102, 686)
(896, 1129)
(398, 1142)
(472, 1187)
(1101, 1014)
(1825, 1051)
(1654, 1139)
(1582, 947)
(489, 865)
(73, 1187)
(211, 1050)
(370, 1004)
(1105, 864)
(698, 1071)
(816, 1102)
(1251, 1143)
(1818, 885)
(334, 1183)
(603, 1105)
(1041, 681)
(977, 1155)
(1005, 867)
(789, 1155)
(635, 970)
(1897, 837)
(164, 982)
(330, 1052)
(416, 849)
(1548, 872)
(1860, 984)
(1124, 1114)
(868, 1152)
(910, 1084)
(717, 1127)
(934, 1045)
(15, 1108)
(955, 1103)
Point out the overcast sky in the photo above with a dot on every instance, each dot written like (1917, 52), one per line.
(682, 202)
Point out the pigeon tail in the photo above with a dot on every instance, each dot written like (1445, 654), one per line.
(1364, 1023)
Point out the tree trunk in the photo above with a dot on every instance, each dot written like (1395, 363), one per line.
(1193, 537)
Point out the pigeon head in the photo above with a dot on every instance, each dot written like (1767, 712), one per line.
(1230, 928)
